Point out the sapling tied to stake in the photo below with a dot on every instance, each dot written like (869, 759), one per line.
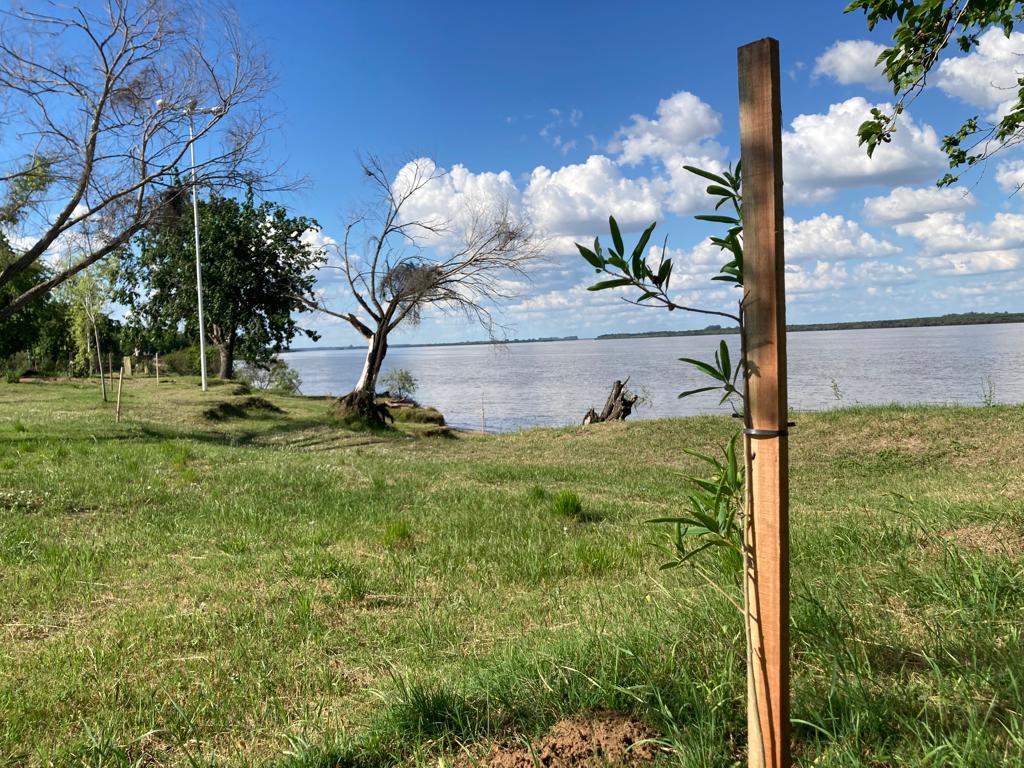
(714, 516)
(715, 519)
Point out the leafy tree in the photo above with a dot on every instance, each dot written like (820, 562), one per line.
(19, 332)
(42, 330)
(923, 30)
(87, 295)
(257, 272)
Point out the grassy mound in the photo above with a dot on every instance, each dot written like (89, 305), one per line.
(239, 409)
(416, 414)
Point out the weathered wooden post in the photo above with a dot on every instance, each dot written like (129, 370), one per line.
(110, 369)
(120, 381)
(764, 307)
(157, 367)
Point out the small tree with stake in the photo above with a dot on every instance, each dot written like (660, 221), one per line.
(717, 518)
(714, 517)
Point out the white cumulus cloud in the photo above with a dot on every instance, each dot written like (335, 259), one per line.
(821, 154)
(685, 125)
(852, 62)
(830, 238)
(910, 204)
(987, 76)
(952, 233)
(577, 199)
(823, 276)
(1010, 175)
(972, 262)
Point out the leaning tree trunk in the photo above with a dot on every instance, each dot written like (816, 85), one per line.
(617, 407)
(361, 402)
(376, 349)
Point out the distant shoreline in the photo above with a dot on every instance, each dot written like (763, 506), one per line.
(965, 318)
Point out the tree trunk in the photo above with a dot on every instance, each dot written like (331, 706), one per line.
(376, 349)
(227, 357)
(617, 407)
(360, 405)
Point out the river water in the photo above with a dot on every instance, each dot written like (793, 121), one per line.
(513, 386)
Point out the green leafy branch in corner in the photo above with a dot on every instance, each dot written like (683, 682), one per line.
(923, 29)
(713, 519)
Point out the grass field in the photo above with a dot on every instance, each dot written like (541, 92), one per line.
(272, 589)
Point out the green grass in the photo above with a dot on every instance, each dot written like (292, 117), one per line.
(274, 589)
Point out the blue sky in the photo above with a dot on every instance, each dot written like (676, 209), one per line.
(574, 111)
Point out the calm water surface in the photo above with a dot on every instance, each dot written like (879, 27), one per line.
(554, 383)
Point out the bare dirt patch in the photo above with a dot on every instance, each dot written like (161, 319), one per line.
(989, 539)
(599, 739)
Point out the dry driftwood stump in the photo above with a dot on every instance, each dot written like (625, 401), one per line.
(617, 407)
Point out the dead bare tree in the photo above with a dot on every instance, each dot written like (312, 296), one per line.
(409, 264)
(99, 99)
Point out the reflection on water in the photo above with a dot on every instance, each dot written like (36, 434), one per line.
(554, 383)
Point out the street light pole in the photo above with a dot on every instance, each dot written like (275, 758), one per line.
(199, 263)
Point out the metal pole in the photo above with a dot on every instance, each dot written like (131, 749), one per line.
(199, 264)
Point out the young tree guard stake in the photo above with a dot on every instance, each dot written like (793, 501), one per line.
(764, 306)
(740, 511)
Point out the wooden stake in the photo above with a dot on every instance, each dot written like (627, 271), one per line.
(764, 309)
(99, 364)
(157, 367)
(120, 380)
(110, 368)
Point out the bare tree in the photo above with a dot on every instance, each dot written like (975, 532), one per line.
(409, 264)
(102, 103)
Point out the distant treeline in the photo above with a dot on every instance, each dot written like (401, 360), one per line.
(965, 318)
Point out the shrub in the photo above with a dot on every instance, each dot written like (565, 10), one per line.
(400, 383)
(275, 375)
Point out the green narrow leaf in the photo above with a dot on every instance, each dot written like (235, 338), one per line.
(710, 370)
(703, 456)
(717, 219)
(706, 174)
(590, 256)
(726, 364)
(616, 235)
(715, 189)
(639, 249)
(664, 271)
(618, 281)
(689, 392)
